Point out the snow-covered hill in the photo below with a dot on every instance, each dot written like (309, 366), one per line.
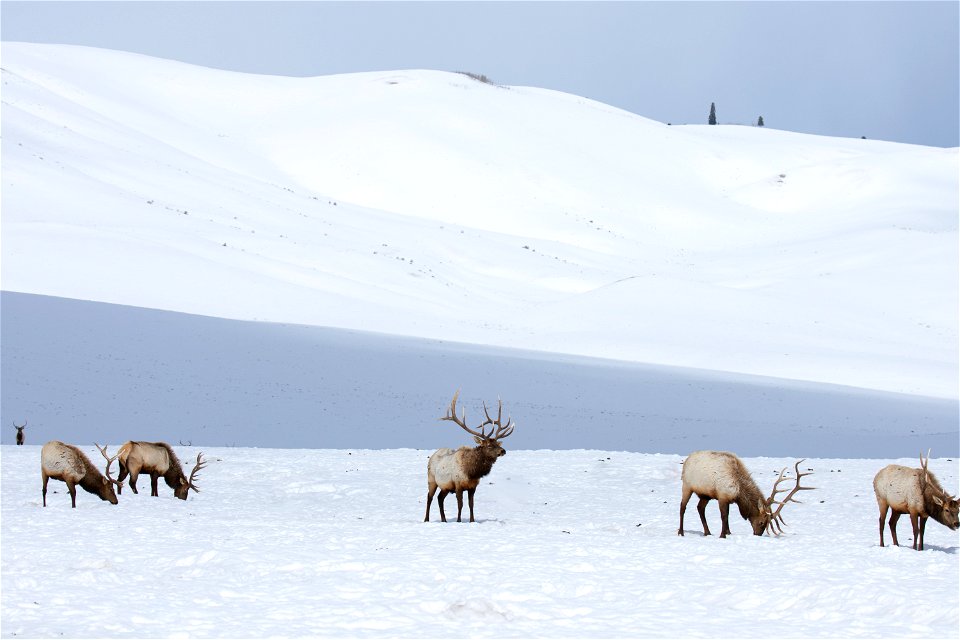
(424, 203)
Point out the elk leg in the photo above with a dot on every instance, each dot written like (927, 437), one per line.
(443, 494)
(916, 528)
(923, 526)
(883, 516)
(121, 477)
(724, 518)
(45, 478)
(153, 484)
(894, 516)
(459, 504)
(470, 493)
(684, 499)
(702, 510)
(73, 494)
(134, 474)
(431, 489)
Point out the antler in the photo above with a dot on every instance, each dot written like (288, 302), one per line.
(19, 426)
(110, 460)
(776, 519)
(461, 421)
(200, 465)
(925, 471)
(502, 431)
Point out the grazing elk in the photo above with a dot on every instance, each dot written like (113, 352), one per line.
(722, 476)
(461, 470)
(157, 459)
(67, 463)
(916, 492)
(20, 429)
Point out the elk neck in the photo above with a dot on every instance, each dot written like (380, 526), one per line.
(174, 473)
(478, 461)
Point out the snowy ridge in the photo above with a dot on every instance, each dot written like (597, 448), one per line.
(424, 203)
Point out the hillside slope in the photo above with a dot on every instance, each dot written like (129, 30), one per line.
(425, 203)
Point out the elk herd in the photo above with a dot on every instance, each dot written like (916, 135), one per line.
(69, 464)
(711, 475)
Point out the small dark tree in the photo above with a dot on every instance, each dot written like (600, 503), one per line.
(760, 121)
(713, 114)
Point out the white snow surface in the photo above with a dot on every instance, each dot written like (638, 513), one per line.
(579, 543)
(424, 203)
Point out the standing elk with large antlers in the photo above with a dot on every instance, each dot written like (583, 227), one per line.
(722, 476)
(461, 470)
(19, 429)
(157, 459)
(67, 463)
(918, 493)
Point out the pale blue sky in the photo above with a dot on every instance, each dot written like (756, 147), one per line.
(885, 70)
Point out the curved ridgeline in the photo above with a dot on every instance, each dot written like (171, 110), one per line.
(84, 371)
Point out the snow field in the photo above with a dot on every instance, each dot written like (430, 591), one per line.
(580, 543)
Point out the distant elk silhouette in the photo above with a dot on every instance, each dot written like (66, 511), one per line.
(916, 492)
(722, 476)
(68, 463)
(157, 459)
(19, 429)
(461, 470)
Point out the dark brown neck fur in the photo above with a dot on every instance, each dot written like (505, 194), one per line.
(174, 473)
(932, 489)
(478, 462)
(92, 481)
(749, 494)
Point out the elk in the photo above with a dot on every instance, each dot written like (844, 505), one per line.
(916, 492)
(157, 459)
(19, 429)
(722, 476)
(67, 463)
(461, 470)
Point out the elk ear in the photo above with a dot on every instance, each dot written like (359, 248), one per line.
(478, 439)
(938, 501)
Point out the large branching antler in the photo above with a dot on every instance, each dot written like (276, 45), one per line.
(110, 460)
(776, 520)
(503, 430)
(196, 469)
(498, 431)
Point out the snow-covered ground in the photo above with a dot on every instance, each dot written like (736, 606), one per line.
(331, 543)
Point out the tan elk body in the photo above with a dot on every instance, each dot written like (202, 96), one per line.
(916, 492)
(158, 460)
(722, 476)
(456, 471)
(69, 464)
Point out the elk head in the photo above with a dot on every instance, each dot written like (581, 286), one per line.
(488, 442)
(771, 520)
(186, 484)
(950, 516)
